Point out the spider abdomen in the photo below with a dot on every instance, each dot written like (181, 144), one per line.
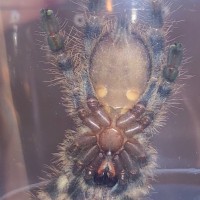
(119, 70)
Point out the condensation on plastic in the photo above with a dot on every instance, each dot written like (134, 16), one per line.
(33, 121)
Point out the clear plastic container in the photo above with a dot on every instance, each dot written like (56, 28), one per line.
(33, 120)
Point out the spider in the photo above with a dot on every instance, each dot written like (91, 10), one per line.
(116, 74)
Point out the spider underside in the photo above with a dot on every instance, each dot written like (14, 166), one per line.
(116, 77)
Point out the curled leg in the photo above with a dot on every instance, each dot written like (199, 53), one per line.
(129, 164)
(89, 120)
(139, 125)
(91, 169)
(98, 111)
(90, 155)
(128, 118)
(97, 119)
(122, 175)
(135, 150)
(83, 142)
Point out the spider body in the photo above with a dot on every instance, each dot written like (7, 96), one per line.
(116, 77)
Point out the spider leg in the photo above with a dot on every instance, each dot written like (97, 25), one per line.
(128, 118)
(161, 79)
(97, 119)
(92, 27)
(99, 112)
(51, 27)
(89, 156)
(91, 31)
(61, 57)
(83, 142)
(89, 120)
(156, 13)
(122, 175)
(168, 75)
(135, 150)
(91, 169)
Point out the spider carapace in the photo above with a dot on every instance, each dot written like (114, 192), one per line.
(116, 73)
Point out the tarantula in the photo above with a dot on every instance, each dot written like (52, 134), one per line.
(116, 74)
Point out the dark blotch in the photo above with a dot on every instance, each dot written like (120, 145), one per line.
(157, 14)
(104, 180)
(75, 191)
(49, 22)
(94, 5)
(65, 64)
(164, 91)
(127, 198)
(51, 189)
(120, 189)
(170, 74)
(123, 23)
(175, 55)
(157, 43)
(77, 168)
(148, 95)
(92, 31)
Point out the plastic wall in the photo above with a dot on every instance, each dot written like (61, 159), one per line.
(33, 120)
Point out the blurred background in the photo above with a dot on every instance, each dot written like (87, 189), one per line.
(33, 120)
